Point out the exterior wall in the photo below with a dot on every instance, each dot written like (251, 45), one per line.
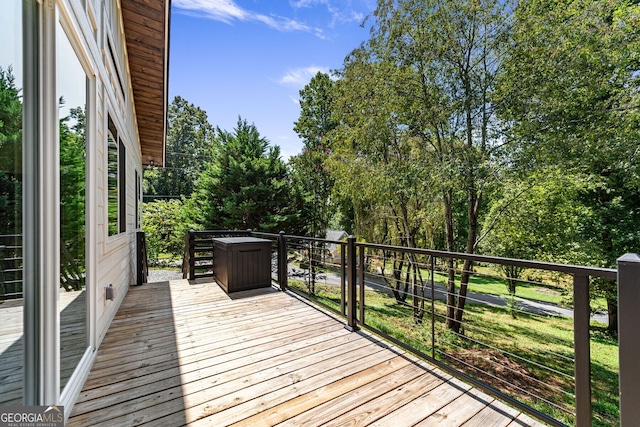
(111, 259)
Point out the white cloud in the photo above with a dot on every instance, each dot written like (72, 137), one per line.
(220, 10)
(301, 76)
(228, 11)
(341, 11)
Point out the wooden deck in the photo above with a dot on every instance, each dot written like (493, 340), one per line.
(183, 353)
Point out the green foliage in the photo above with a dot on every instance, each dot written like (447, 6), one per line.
(417, 123)
(72, 185)
(316, 115)
(246, 186)
(165, 226)
(10, 154)
(570, 94)
(538, 217)
(190, 139)
(310, 172)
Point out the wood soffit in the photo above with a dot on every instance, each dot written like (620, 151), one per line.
(146, 29)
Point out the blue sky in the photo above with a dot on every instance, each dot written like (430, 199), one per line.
(252, 57)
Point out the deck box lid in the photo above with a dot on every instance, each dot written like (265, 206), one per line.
(236, 240)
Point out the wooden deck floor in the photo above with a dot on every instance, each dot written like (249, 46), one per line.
(188, 354)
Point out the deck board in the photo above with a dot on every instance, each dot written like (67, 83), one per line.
(186, 353)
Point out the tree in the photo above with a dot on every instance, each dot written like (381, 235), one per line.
(72, 186)
(570, 93)
(165, 225)
(436, 64)
(246, 186)
(310, 170)
(539, 217)
(188, 150)
(10, 154)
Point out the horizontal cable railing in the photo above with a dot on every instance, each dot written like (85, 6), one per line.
(531, 354)
(274, 252)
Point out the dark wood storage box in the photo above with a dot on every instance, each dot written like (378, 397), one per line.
(241, 263)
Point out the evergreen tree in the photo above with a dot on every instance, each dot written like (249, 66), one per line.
(246, 186)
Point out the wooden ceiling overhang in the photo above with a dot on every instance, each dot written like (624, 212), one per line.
(146, 30)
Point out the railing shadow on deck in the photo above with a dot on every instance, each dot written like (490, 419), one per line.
(536, 359)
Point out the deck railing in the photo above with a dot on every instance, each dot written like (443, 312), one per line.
(72, 271)
(10, 266)
(528, 353)
(141, 258)
(197, 260)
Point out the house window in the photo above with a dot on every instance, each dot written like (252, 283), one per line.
(122, 187)
(112, 178)
(138, 194)
(116, 181)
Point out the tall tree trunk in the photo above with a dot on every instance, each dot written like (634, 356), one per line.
(473, 207)
(472, 231)
(451, 274)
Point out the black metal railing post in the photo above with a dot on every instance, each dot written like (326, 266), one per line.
(282, 261)
(351, 283)
(361, 288)
(3, 290)
(582, 368)
(629, 338)
(192, 255)
(343, 278)
(433, 310)
(141, 252)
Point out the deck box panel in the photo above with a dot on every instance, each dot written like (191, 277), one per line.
(242, 263)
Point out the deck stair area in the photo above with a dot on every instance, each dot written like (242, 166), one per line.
(186, 353)
(197, 261)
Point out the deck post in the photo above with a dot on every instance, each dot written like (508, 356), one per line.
(361, 280)
(192, 255)
(581, 313)
(629, 338)
(141, 258)
(343, 278)
(282, 261)
(352, 261)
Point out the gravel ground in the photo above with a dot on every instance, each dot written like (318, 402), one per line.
(163, 275)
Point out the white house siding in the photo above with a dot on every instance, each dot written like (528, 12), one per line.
(111, 258)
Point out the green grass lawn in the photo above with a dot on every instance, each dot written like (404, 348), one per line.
(527, 352)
